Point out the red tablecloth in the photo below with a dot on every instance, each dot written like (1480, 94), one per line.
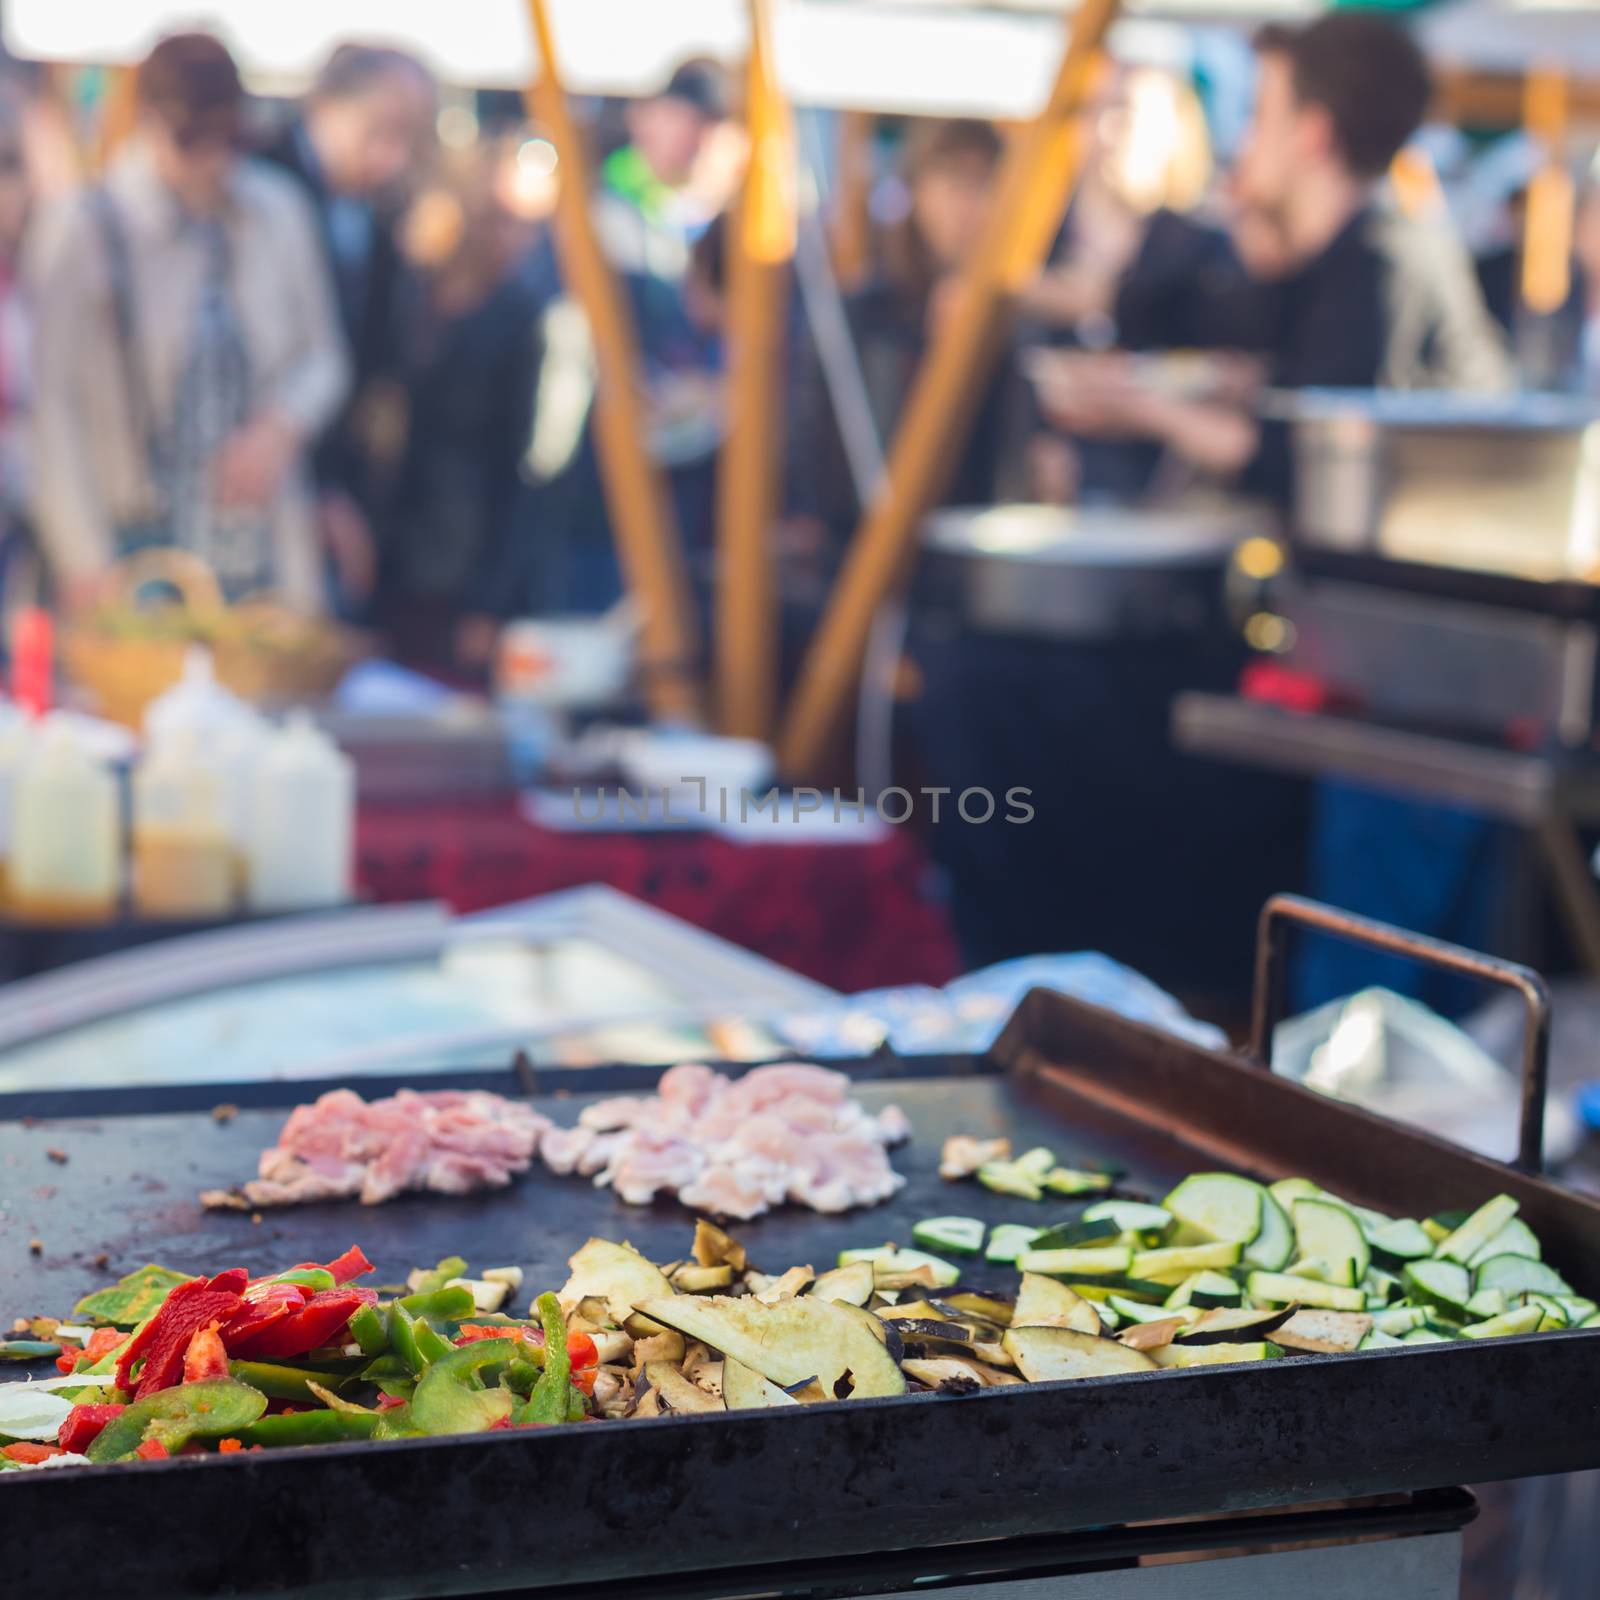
(850, 916)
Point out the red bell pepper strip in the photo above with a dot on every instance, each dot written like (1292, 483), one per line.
(581, 1351)
(263, 1305)
(318, 1322)
(101, 1342)
(164, 1340)
(83, 1426)
(152, 1450)
(205, 1357)
(30, 1455)
(352, 1264)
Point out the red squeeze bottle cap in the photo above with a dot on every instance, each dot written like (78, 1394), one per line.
(33, 649)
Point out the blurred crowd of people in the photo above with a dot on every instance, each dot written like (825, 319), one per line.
(333, 355)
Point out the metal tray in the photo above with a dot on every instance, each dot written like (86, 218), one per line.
(627, 1501)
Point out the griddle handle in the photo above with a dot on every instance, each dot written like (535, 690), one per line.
(1284, 912)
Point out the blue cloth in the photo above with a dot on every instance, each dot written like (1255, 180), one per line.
(1427, 868)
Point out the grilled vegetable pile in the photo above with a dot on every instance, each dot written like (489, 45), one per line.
(1353, 1278)
(1222, 1270)
(161, 1365)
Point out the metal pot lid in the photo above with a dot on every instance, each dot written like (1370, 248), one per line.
(1095, 536)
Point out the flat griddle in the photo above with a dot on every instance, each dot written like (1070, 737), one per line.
(621, 1502)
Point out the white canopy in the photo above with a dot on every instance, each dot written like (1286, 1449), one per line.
(932, 56)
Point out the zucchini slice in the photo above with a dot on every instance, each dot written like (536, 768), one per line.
(1136, 1311)
(1077, 1263)
(1379, 1340)
(1128, 1216)
(1181, 1261)
(1280, 1288)
(1035, 1162)
(1044, 1355)
(963, 1235)
(1219, 1205)
(1007, 1241)
(1189, 1354)
(1399, 1319)
(1328, 1231)
(1273, 1248)
(888, 1261)
(1515, 1239)
(1401, 1240)
(1425, 1336)
(1525, 1319)
(1206, 1289)
(1287, 1190)
(1068, 1180)
(1487, 1303)
(1445, 1285)
(1006, 1177)
(1519, 1275)
(1555, 1317)
(1478, 1229)
(1101, 1287)
(1067, 1235)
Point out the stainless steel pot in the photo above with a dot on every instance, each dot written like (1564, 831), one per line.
(1507, 484)
(1089, 573)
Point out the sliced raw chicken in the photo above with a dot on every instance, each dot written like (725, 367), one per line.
(341, 1146)
(737, 1147)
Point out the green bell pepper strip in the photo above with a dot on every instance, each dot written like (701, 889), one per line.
(450, 1267)
(442, 1305)
(308, 1427)
(451, 1396)
(317, 1279)
(132, 1299)
(414, 1341)
(431, 1344)
(28, 1349)
(550, 1401)
(368, 1331)
(394, 1422)
(210, 1409)
(281, 1383)
(403, 1339)
(523, 1374)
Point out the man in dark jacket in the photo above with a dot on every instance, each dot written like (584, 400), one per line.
(360, 131)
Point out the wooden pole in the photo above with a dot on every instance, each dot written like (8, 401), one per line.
(1034, 183)
(761, 247)
(636, 496)
(851, 232)
(1499, 99)
(1552, 197)
(119, 114)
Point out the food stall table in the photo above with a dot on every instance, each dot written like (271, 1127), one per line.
(851, 915)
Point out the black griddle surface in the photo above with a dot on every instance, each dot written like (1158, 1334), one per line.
(129, 1190)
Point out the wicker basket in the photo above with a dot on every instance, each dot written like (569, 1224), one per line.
(129, 650)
